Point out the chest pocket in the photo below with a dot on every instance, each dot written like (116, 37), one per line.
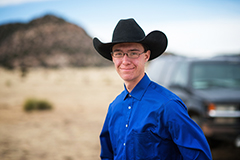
(144, 146)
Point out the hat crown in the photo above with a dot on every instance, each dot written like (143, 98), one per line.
(128, 31)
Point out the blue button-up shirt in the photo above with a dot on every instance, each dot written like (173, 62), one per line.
(151, 123)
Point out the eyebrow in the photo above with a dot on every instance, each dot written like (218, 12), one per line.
(128, 50)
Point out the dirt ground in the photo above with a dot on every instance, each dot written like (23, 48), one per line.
(71, 130)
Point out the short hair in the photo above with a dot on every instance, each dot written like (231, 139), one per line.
(146, 48)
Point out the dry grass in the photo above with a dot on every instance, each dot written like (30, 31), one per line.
(70, 131)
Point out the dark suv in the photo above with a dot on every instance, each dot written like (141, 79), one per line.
(210, 88)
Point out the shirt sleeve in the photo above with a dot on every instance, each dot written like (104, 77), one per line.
(186, 134)
(106, 146)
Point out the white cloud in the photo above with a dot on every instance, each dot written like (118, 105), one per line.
(190, 38)
(203, 38)
(15, 2)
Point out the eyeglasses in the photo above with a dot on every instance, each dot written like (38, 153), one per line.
(130, 54)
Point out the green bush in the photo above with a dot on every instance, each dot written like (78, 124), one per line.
(35, 104)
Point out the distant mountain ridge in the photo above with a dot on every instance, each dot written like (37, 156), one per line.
(48, 41)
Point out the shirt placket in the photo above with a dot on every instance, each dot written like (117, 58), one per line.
(129, 107)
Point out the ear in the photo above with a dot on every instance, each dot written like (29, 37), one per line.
(147, 55)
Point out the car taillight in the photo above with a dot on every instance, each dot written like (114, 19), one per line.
(211, 109)
(223, 110)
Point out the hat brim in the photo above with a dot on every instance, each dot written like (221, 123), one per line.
(156, 42)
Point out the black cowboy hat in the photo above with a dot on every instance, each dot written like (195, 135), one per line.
(127, 31)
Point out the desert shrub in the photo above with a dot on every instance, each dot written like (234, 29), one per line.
(8, 83)
(44, 105)
(35, 104)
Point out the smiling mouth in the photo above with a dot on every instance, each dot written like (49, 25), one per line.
(126, 69)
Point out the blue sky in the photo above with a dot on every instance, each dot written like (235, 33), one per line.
(198, 28)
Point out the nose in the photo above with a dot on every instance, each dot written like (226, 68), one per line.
(125, 59)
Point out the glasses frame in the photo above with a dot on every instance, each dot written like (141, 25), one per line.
(127, 54)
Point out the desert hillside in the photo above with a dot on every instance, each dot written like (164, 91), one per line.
(47, 41)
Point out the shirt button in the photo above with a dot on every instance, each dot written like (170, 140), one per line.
(130, 95)
(126, 125)
(124, 144)
(129, 107)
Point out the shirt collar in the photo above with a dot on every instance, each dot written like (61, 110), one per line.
(139, 90)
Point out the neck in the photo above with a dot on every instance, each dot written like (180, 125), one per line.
(131, 84)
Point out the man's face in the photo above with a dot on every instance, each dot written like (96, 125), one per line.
(130, 70)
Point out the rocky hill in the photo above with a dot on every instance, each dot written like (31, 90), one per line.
(48, 41)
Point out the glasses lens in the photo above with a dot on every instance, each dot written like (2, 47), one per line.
(118, 54)
(133, 55)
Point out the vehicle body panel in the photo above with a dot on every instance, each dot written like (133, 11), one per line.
(210, 88)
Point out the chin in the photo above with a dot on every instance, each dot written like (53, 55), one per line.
(127, 77)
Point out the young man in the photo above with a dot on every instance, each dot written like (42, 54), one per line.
(145, 121)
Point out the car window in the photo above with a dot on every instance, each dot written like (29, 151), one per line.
(156, 69)
(161, 70)
(169, 70)
(209, 75)
(180, 75)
